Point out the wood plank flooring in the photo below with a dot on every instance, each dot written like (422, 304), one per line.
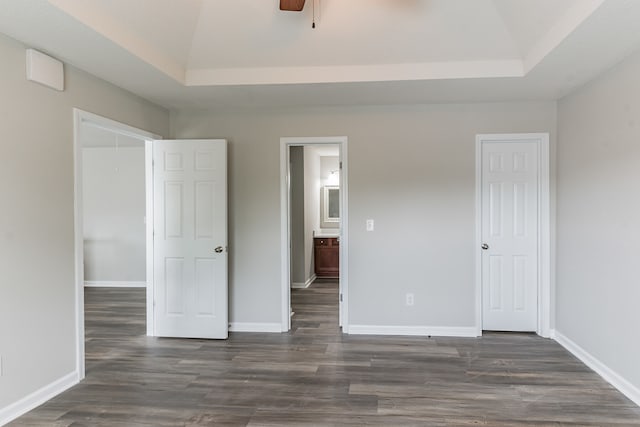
(316, 376)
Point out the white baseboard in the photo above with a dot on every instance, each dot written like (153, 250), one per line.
(113, 284)
(254, 327)
(298, 285)
(37, 398)
(609, 375)
(434, 331)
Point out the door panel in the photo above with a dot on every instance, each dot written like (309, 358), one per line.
(190, 222)
(495, 282)
(174, 286)
(510, 230)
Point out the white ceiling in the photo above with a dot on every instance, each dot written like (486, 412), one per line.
(248, 53)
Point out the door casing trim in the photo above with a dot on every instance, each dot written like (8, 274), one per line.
(545, 300)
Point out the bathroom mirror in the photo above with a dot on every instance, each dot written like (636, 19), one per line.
(330, 207)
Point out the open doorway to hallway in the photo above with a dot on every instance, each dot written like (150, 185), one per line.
(112, 237)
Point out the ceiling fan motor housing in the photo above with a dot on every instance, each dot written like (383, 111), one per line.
(292, 5)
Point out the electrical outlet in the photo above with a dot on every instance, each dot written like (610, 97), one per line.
(409, 299)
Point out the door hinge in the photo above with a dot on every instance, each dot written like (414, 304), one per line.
(340, 297)
(340, 165)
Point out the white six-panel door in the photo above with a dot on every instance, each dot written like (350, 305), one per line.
(190, 238)
(509, 203)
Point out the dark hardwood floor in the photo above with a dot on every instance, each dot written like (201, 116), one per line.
(316, 376)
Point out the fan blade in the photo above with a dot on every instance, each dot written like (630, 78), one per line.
(292, 5)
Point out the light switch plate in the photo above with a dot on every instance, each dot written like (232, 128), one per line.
(369, 225)
(409, 299)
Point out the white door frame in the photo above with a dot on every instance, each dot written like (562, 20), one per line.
(81, 118)
(544, 226)
(285, 225)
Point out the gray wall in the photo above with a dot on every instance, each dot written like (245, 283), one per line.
(411, 168)
(598, 238)
(114, 210)
(37, 312)
(327, 165)
(297, 185)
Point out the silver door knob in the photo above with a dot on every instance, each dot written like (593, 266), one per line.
(218, 250)
(485, 246)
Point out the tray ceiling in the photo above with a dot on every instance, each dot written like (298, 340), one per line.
(224, 53)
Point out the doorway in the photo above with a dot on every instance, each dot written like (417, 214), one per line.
(329, 231)
(513, 233)
(103, 257)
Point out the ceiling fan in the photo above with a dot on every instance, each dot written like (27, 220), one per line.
(297, 6)
(292, 5)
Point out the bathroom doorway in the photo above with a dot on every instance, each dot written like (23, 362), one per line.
(314, 217)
